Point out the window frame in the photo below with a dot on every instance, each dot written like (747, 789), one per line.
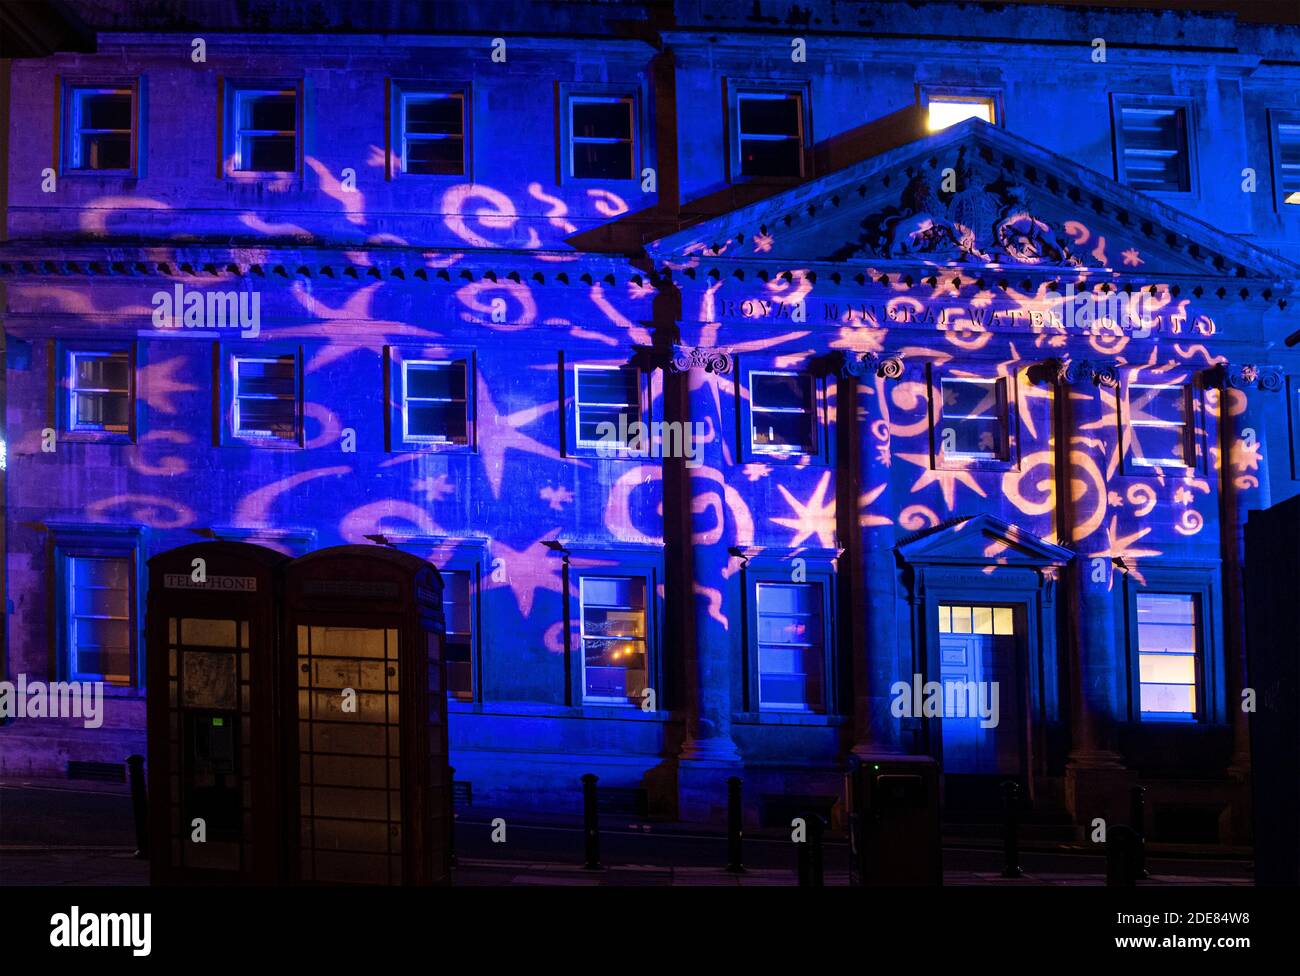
(399, 91)
(67, 130)
(457, 555)
(1120, 101)
(774, 565)
(1163, 576)
(975, 371)
(1194, 446)
(735, 90)
(65, 353)
(69, 541)
(396, 360)
(649, 394)
(633, 94)
(926, 93)
(823, 448)
(230, 142)
(1277, 117)
(228, 355)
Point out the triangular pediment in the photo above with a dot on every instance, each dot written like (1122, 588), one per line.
(983, 540)
(973, 196)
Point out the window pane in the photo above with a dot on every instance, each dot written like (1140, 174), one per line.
(438, 157)
(1155, 148)
(109, 372)
(99, 628)
(1288, 157)
(277, 418)
(781, 391)
(607, 386)
(433, 115)
(1157, 404)
(945, 112)
(1158, 445)
(445, 381)
(269, 112)
(276, 377)
(269, 154)
(610, 119)
(791, 648)
(1168, 644)
(613, 632)
(961, 620)
(777, 158)
(105, 150)
(1003, 621)
(105, 110)
(973, 418)
(602, 160)
(769, 116)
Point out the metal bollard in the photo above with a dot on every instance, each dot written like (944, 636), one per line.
(1121, 842)
(811, 874)
(1137, 814)
(1011, 830)
(139, 805)
(590, 823)
(735, 831)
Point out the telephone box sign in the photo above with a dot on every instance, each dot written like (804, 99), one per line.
(227, 584)
(361, 589)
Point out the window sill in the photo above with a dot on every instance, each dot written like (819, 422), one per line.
(809, 719)
(624, 713)
(95, 437)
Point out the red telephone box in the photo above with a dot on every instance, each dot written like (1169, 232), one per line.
(211, 635)
(364, 719)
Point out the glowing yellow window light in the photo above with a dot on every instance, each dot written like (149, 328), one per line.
(950, 109)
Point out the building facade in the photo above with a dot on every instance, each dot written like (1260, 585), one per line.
(747, 370)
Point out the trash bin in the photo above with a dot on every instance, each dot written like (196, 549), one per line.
(894, 834)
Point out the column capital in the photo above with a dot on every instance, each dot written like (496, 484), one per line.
(1074, 372)
(707, 358)
(860, 364)
(1249, 376)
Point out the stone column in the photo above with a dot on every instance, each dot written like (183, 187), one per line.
(876, 732)
(708, 754)
(1096, 780)
(1245, 395)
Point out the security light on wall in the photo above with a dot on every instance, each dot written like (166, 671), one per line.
(946, 110)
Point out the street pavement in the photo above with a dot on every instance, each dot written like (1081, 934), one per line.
(53, 833)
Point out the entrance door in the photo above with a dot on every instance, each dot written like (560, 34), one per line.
(983, 707)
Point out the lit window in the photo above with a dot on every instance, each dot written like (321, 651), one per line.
(976, 620)
(791, 647)
(433, 133)
(1151, 141)
(436, 402)
(608, 403)
(101, 129)
(973, 418)
(600, 134)
(770, 130)
(99, 619)
(613, 638)
(266, 398)
(946, 110)
(783, 413)
(1168, 639)
(266, 131)
(99, 390)
(1158, 425)
(458, 654)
